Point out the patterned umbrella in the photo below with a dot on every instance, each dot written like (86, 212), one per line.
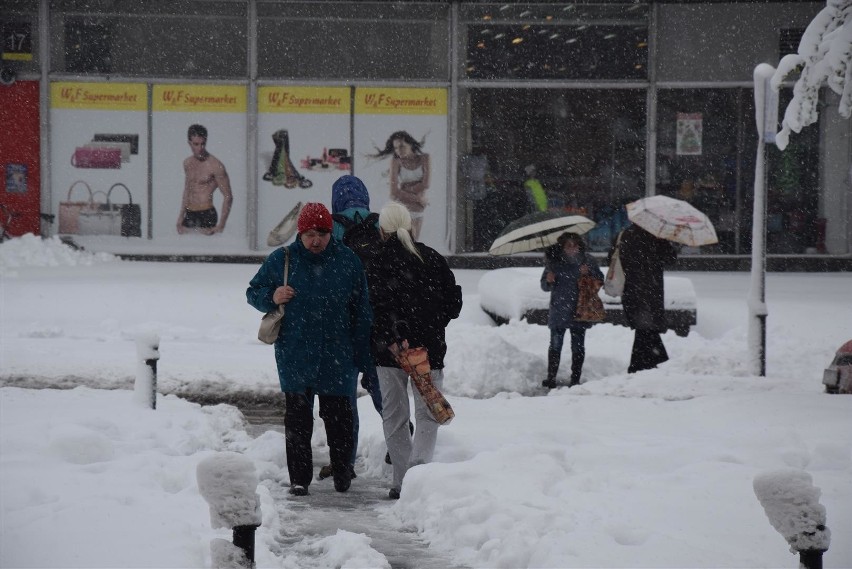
(538, 231)
(675, 220)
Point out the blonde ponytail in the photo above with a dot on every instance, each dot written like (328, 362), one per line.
(396, 219)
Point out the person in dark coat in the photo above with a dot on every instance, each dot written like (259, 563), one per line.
(414, 296)
(564, 264)
(323, 343)
(350, 198)
(643, 257)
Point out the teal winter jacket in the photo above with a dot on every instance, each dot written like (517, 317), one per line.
(325, 337)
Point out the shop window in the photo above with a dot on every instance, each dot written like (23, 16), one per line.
(587, 146)
(345, 40)
(148, 38)
(549, 41)
(87, 46)
(788, 41)
(699, 160)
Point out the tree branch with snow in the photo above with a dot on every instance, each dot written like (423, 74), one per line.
(825, 58)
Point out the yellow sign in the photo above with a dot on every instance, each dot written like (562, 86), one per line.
(200, 98)
(313, 100)
(99, 96)
(400, 101)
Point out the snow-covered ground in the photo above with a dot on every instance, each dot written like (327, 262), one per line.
(650, 470)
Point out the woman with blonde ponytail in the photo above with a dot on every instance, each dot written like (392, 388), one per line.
(414, 297)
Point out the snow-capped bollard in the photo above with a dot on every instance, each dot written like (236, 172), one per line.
(148, 352)
(228, 482)
(791, 502)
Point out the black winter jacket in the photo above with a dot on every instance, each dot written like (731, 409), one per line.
(411, 299)
(643, 257)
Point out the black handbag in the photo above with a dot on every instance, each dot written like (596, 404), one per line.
(131, 213)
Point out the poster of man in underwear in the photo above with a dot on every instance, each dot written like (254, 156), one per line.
(204, 174)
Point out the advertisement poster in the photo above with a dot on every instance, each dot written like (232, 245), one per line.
(401, 154)
(99, 162)
(689, 131)
(303, 147)
(199, 167)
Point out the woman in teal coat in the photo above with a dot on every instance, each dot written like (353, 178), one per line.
(323, 343)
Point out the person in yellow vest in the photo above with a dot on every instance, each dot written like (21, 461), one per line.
(535, 191)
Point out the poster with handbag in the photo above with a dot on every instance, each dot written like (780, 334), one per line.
(130, 213)
(100, 128)
(96, 157)
(70, 209)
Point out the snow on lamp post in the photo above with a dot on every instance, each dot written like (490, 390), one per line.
(228, 481)
(766, 117)
(791, 503)
(148, 352)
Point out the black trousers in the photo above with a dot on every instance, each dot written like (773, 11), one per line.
(648, 351)
(336, 413)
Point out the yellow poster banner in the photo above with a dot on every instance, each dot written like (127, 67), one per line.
(200, 98)
(99, 96)
(311, 100)
(400, 101)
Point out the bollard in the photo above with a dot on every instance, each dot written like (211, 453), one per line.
(148, 351)
(244, 539)
(811, 558)
(152, 364)
(791, 503)
(228, 481)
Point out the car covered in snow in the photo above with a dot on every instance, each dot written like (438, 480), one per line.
(837, 377)
(515, 294)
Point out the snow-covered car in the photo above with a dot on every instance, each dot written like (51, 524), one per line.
(515, 294)
(837, 377)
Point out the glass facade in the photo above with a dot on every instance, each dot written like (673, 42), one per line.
(609, 101)
(150, 38)
(363, 41)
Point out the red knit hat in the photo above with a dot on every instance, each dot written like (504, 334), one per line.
(314, 216)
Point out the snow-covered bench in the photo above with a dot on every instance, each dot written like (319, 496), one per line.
(515, 293)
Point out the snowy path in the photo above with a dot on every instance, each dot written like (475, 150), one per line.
(360, 510)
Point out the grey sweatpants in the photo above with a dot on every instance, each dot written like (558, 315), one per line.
(396, 412)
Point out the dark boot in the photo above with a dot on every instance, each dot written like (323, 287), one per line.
(552, 367)
(576, 368)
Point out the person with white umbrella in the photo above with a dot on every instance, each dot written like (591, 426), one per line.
(643, 257)
(645, 249)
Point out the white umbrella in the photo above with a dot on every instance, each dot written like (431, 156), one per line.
(537, 231)
(675, 220)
